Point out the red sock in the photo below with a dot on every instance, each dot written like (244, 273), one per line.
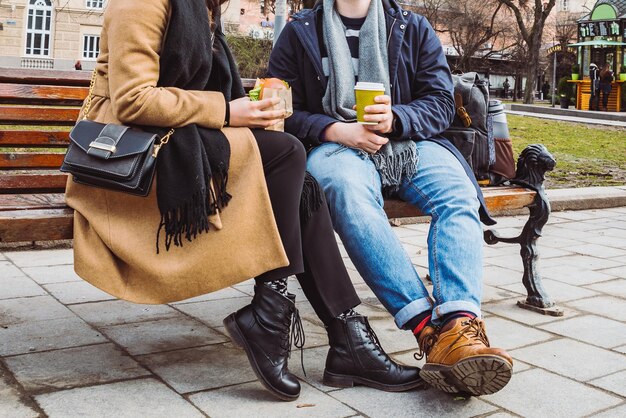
(421, 325)
(454, 315)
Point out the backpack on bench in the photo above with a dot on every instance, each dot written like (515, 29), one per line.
(479, 131)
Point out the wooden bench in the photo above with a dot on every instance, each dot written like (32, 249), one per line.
(39, 107)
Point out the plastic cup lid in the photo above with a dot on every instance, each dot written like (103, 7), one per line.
(362, 85)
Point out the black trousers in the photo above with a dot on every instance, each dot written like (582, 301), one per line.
(310, 245)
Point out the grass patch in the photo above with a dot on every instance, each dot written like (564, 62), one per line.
(587, 155)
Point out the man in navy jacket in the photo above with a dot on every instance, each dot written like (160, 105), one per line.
(317, 54)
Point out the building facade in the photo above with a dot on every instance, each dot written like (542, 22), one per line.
(50, 33)
(55, 34)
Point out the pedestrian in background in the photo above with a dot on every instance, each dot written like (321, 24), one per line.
(606, 78)
(594, 77)
(545, 89)
(505, 87)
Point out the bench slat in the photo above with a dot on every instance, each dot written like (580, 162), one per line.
(23, 160)
(36, 225)
(12, 202)
(52, 181)
(50, 77)
(38, 114)
(34, 138)
(496, 198)
(22, 93)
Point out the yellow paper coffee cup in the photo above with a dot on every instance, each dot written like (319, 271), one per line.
(365, 93)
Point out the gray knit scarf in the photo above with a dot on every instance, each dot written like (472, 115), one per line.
(397, 158)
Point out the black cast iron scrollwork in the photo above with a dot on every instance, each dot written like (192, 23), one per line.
(532, 164)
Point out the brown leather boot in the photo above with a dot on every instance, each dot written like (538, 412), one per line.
(459, 359)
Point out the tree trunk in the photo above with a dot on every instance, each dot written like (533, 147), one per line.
(533, 64)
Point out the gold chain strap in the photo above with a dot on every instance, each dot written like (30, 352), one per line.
(157, 147)
(89, 95)
(164, 140)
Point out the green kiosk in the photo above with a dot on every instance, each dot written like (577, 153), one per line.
(602, 39)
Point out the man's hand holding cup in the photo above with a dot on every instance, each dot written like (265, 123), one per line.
(373, 107)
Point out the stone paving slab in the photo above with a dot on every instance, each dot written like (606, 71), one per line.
(586, 262)
(592, 329)
(601, 238)
(508, 309)
(596, 250)
(213, 312)
(618, 412)
(510, 335)
(47, 335)
(162, 335)
(619, 271)
(559, 291)
(419, 403)
(202, 368)
(228, 293)
(76, 292)
(575, 275)
(494, 294)
(52, 274)
(43, 258)
(613, 287)
(538, 393)
(560, 356)
(615, 383)
(22, 310)
(132, 399)
(251, 400)
(11, 404)
(8, 270)
(608, 306)
(18, 287)
(116, 312)
(498, 276)
(66, 368)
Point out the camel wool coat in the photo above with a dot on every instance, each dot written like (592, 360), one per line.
(115, 233)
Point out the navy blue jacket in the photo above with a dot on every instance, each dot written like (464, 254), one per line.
(420, 80)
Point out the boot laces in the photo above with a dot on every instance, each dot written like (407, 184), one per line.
(474, 329)
(295, 336)
(425, 345)
(369, 331)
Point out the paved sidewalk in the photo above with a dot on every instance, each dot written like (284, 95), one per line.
(615, 119)
(69, 350)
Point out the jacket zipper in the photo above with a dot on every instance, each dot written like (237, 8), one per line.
(391, 32)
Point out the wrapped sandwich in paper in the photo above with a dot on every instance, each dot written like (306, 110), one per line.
(266, 88)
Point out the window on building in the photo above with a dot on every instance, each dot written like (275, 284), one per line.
(91, 46)
(565, 5)
(38, 31)
(94, 4)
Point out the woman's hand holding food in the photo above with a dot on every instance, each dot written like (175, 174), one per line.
(255, 114)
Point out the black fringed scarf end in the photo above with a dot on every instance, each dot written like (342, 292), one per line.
(192, 169)
(312, 197)
(192, 216)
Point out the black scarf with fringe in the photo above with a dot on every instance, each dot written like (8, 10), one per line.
(194, 58)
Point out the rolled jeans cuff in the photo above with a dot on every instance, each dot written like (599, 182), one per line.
(411, 310)
(454, 306)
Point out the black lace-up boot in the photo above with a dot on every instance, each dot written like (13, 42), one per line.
(262, 329)
(356, 357)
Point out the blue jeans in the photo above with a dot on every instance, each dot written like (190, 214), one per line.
(440, 189)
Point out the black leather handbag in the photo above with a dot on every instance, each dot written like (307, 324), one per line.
(111, 156)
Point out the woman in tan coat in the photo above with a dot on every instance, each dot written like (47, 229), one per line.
(226, 197)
